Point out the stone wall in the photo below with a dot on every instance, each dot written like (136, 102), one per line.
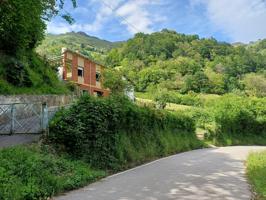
(51, 100)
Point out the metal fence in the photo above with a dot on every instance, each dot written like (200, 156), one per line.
(31, 118)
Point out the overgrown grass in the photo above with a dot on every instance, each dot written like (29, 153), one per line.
(33, 75)
(256, 171)
(31, 172)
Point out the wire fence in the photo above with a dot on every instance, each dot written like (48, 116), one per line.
(26, 118)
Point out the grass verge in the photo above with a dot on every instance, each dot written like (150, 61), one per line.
(31, 172)
(256, 171)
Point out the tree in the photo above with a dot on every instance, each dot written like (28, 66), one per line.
(113, 79)
(255, 84)
(197, 83)
(22, 27)
(162, 97)
(22, 23)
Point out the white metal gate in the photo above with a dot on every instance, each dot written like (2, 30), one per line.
(23, 118)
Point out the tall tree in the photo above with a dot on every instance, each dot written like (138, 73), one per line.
(22, 23)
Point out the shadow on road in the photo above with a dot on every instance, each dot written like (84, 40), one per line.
(206, 174)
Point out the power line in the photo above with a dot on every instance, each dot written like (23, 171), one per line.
(126, 21)
(123, 18)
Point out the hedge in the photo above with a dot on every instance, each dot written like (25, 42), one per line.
(112, 133)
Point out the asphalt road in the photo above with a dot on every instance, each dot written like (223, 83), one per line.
(206, 174)
(17, 139)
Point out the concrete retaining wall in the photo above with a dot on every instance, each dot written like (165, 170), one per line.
(51, 100)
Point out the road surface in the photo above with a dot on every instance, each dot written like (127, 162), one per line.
(17, 139)
(206, 174)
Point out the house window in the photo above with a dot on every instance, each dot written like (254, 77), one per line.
(80, 72)
(98, 93)
(98, 76)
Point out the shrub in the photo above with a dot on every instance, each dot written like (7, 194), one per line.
(30, 173)
(190, 99)
(239, 118)
(113, 132)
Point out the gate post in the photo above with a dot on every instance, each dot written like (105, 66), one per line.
(44, 120)
(13, 115)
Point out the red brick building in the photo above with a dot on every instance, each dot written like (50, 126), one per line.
(84, 72)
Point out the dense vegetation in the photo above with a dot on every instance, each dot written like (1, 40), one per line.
(239, 120)
(30, 173)
(22, 27)
(256, 171)
(113, 133)
(184, 63)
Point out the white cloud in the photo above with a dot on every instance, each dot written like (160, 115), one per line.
(134, 14)
(242, 20)
(57, 28)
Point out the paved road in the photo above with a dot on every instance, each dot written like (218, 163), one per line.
(17, 139)
(207, 174)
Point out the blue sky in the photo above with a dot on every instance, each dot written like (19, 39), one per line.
(116, 20)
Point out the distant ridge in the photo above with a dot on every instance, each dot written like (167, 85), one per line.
(81, 41)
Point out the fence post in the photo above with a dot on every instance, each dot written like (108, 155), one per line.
(13, 115)
(44, 120)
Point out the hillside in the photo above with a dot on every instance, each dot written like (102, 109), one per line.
(171, 61)
(168, 60)
(87, 45)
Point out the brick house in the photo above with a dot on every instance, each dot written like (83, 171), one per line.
(84, 72)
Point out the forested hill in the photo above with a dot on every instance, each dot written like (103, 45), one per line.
(184, 63)
(87, 45)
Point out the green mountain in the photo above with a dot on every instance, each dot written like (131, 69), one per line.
(174, 62)
(85, 44)
(186, 63)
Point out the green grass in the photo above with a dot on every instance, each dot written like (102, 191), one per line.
(139, 148)
(31, 172)
(256, 171)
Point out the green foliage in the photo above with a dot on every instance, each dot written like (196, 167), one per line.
(22, 27)
(255, 84)
(256, 171)
(238, 119)
(162, 98)
(30, 76)
(190, 99)
(113, 132)
(185, 63)
(114, 80)
(30, 173)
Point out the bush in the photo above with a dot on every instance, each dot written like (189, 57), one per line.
(239, 118)
(190, 99)
(30, 173)
(113, 132)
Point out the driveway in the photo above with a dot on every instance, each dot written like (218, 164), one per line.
(206, 174)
